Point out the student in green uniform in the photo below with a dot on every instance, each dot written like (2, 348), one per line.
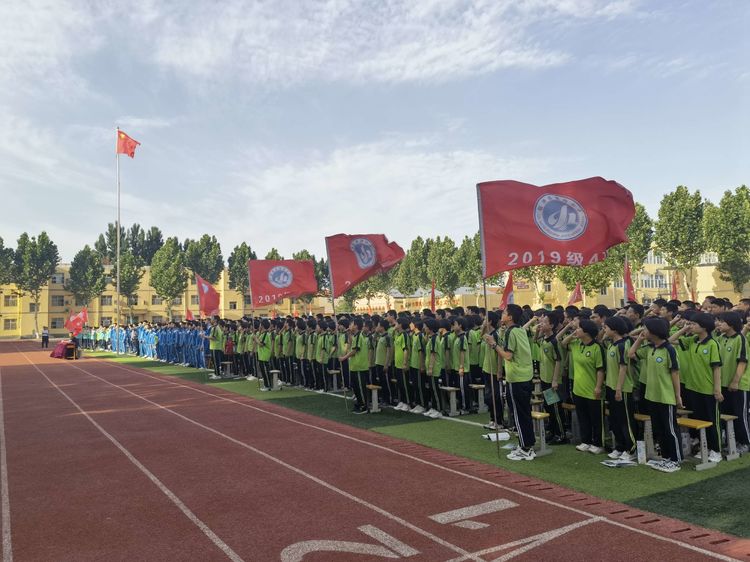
(359, 364)
(319, 358)
(433, 367)
(460, 376)
(264, 346)
(417, 367)
(383, 360)
(734, 374)
(216, 345)
(588, 381)
(491, 372)
(662, 389)
(300, 345)
(401, 345)
(550, 368)
(620, 389)
(474, 340)
(516, 354)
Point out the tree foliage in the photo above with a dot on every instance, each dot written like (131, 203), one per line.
(86, 277)
(168, 274)
(237, 266)
(273, 254)
(469, 262)
(136, 240)
(154, 241)
(34, 262)
(727, 232)
(204, 258)
(412, 272)
(6, 263)
(442, 266)
(131, 273)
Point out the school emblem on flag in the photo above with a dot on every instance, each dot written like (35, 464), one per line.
(364, 250)
(280, 277)
(560, 217)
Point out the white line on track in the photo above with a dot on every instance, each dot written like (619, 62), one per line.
(643, 532)
(466, 554)
(7, 543)
(224, 547)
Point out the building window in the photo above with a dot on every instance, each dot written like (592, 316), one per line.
(232, 305)
(79, 302)
(133, 300)
(106, 321)
(9, 324)
(10, 300)
(57, 323)
(547, 287)
(32, 307)
(105, 300)
(194, 299)
(58, 278)
(177, 318)
(192, 280)
(710, 258)
(654, 258)
(109, 280)
(603, 291)
(155, 299)
(157, 319)
(619, 283)
(655, 281)
(57, 300)
(177, 300)
(248, 300)
(136, 320)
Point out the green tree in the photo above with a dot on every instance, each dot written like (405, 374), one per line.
(34, 262)
(131, 273)
(101, 248)
(168, 274)
(727, 231)
(237, 267)
(640, 238)
(442, 267)
(273, 254)
(469, 262)
(136, 239)
(6, 263)
(86, 277)
(412, 271)
(154, 241)
(321, 275)
(538, 275)
(679, 234)
(204, 258)
(592, 277)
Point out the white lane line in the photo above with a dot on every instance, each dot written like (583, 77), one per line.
(329, 486)
(643, 532)
(7, 543)
(472, 511)
(224, 547)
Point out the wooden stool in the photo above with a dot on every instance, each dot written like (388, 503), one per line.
(451, 391)
(375, 405)
(275, 379)
(335, 377)
(537, 385)
(648, 434)
(481, 406)
(575, 428)
(538, 420)
(732, 453)
(537, 405)
(226, 368)
(701, 426)
(683, 413)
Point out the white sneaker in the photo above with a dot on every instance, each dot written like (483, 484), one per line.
(665, 465)
(492, 426)
(583, 447)
(428, 413)
(594, 450)
(264, 389)
(615, 454)
(214, 378)
(625, 456)
(713, 456)
(436, 415)
(417, 409)
(401, 406)
(518, 454)
(251, 378)
(742, 449)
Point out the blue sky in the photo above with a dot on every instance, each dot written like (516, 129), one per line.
(278, 123)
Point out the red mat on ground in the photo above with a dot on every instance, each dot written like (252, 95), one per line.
(110, 462)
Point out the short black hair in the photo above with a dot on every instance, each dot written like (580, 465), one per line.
(589, 327)
(515, 312)
(637, 308)
(733, 319)
(705, 321)
(617, 324)
(658, 327)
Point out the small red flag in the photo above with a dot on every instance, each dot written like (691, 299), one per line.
(189, 315)
(576, 295)
(353, 258)
(628, 283)
(507, 292)
(208, 297)
(675, 285)
(75, 322)
(432, 297)
(571, 223)
(273, 280)
(125, 144)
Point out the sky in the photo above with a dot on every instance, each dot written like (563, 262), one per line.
(278, 123)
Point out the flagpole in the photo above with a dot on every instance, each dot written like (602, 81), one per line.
(117, 291)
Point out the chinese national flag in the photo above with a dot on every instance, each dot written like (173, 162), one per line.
(507, 292)
(208, 297)
(571, 223)
(126, 145)
(189, 315)
(353, 258)
(576, 295)
(273, 280)
(628, 283)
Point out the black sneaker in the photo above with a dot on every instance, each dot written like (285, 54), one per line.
(363, 411)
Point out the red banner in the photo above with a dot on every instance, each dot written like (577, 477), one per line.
(353, 258)
(576, 295)
(628, 283)
(76, 322)
(507, 292)
(571, 223)
(273, 280)
(207, 296)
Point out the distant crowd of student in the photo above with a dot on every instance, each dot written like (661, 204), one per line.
(654, 361)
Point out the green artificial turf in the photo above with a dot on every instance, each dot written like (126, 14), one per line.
(718, 498)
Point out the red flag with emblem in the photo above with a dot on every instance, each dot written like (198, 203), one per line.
(507, 292)
(628, 283)
(353, 258)
(274, 280)
(576, 295)
(125, 144)
(75, 322)
(571, 223)
(208, 297)
(189, 315)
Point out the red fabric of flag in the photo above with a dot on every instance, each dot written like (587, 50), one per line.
(571, 223)
(507, 292)
(576, 295)
(208, 297)
(432, 297)
(675, 285)
(353, 258)
(273, 280)
(189, 315)
(125, 144)
(75, 322)
(628, 283)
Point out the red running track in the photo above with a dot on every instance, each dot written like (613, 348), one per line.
(110, 462)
